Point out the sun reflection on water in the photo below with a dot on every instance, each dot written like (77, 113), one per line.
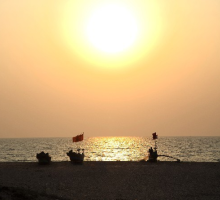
(115, 148)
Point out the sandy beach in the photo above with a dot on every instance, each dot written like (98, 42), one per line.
(110, 180)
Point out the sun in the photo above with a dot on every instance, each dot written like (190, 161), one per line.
(111, 28)
(110, 35)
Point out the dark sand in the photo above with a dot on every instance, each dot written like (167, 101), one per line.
(110, 180)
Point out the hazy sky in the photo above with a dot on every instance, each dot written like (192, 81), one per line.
(55, 83)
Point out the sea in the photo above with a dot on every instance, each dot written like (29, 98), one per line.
(187, 149)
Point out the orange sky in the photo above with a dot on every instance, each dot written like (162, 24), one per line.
(53, 83)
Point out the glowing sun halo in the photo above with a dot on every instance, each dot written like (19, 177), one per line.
(111, 28)
(110, 34)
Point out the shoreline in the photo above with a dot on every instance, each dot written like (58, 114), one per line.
(106, 162)
(110, 180)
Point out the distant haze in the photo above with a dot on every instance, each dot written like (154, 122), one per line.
(52, 85)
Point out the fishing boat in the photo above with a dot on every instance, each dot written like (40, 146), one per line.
(43, 158)
(152, 156)
(76, 157)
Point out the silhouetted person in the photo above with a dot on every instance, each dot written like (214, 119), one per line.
(151, 151)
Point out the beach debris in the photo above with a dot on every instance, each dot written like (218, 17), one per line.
(43, 158)
(76, 157)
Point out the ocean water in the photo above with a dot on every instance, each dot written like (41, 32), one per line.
(195, 149)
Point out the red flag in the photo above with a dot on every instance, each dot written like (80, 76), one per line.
(155, 136)
(82, 136)
(78, 138)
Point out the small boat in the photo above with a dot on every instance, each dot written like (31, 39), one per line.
(76, 157)
(152, 156)
(43, 158)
